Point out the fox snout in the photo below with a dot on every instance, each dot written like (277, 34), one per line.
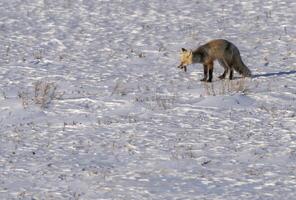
(182, 66)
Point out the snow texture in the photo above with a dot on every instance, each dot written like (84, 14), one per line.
(93, 106)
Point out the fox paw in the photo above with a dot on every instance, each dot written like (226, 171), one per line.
(221, 77)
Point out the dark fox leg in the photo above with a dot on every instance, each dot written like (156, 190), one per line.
(231, 74)
(222, 76)
(226, 68)
(205, 73)
(210, 67)
(210, 75)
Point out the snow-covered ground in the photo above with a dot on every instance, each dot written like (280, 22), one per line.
(93, 106)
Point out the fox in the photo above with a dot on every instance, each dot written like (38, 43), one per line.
(222, 50)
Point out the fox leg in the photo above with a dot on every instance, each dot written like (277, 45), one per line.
(210, 67)
(222, 76)
(231, 74)
(222, 63)
(205, 73)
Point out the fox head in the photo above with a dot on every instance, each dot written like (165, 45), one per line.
(186, 59)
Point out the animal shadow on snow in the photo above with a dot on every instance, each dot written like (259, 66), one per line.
(238, 84)
(274, 74)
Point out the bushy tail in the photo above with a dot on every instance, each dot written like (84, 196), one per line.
(240, 67)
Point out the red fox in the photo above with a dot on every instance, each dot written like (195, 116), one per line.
(224, 51)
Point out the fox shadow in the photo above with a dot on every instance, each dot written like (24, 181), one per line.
(274, 74)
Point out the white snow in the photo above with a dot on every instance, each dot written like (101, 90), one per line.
(93, 106)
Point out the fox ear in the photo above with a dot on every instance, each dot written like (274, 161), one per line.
(184, 50)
